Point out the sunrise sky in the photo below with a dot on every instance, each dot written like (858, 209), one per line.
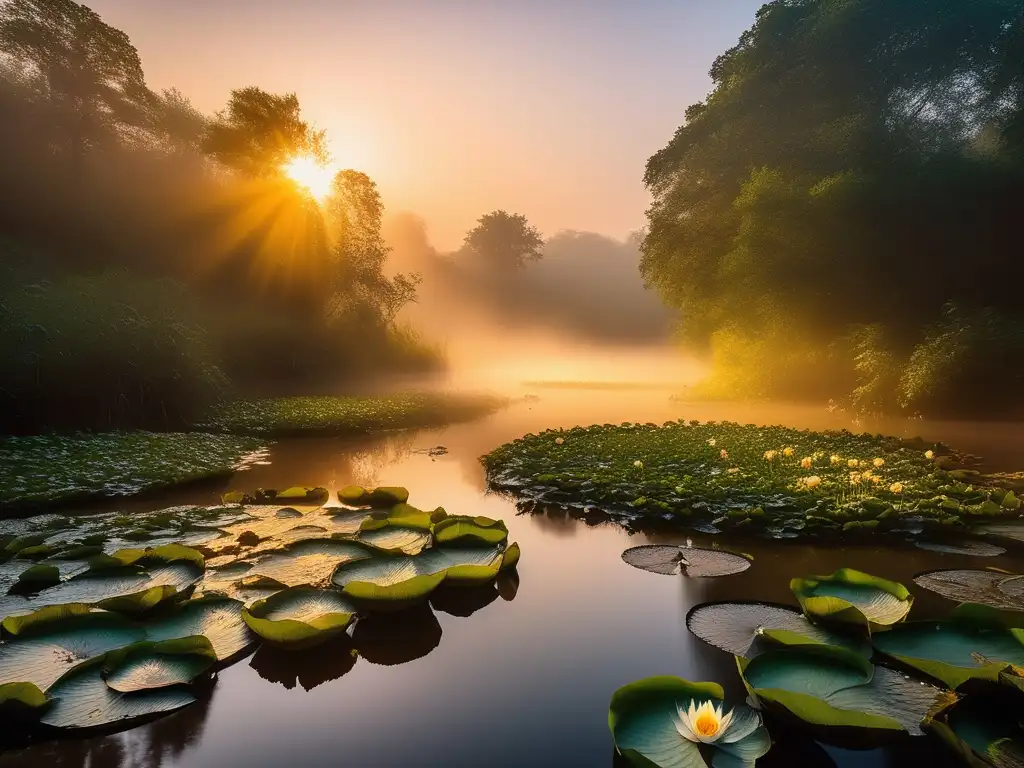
(456, 107)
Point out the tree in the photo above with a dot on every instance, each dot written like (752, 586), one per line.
(91, 73)
(258, 132)
(178, 125)
(505, 240)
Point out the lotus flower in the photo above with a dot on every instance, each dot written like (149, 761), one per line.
(559, 440)
(855, 478)
(712, 442)
(770, 455)
(806, 462)
(878, 462)
(638, 464)
(811, 482)
(788, 451)
(704, 724)
(929, 454)
(723, 454)
(853, 463)
(896, 488)
(835, 459)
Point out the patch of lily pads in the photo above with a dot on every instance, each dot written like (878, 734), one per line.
(109, 621)
(773, 482)
(848, 669)
(695, 562)
(41, 471)
(298, 416)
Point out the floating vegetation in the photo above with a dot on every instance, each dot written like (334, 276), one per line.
(985, 730)
(110, 619)
(971, 548)
(852, 597)
(44, 470)
(997, 589)
(292, 416)
(694, 562)
(769, 481)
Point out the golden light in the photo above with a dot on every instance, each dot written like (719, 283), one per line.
(309, 175)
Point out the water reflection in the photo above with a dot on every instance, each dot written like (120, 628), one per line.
(309, 667)
(398, 638)
(463, 601)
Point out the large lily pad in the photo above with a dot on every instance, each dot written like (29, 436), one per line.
(83, 700)
(852, 597)
(216, 618)
(300, 616)
(148, 665)
(971, 548)
(984, 731)
(385, 496)
(397, 581)
(993, 588)
(393, 535)
(54, 646)
(689, 561)
(22, 701)
(646, 726)
(748, 628)
(974, 643)
(832, 688)
(472, 531)
(310, 562)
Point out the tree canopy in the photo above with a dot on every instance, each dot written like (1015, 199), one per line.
(857, 163)
(505, 240)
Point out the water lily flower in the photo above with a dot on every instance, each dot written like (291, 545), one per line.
(853, 463)
(788, 451)
(929, 454)
(638, 464)
(723, 454)
(855, 478)
(878, 462)
(867, 474)
(835, 459)
(733, 470)
(811, 482)
(896, 488)
(806, 462)
(876, 479)
(712, 442)
(770, 455)
(559, 440)
(704, 724)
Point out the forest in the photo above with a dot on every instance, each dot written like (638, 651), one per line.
(839, 218)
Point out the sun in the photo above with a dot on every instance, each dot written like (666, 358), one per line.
(311, 176)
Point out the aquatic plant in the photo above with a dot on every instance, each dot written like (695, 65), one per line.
(694, 562)
(849, 596)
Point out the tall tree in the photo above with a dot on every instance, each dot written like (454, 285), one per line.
(505, 240)
(258, 132)
(91, 73)
(178, 125)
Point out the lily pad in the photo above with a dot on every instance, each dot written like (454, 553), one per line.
(974, 643)
(303, 494)
(690, 561)
(310, 562)
(970, 586)
(35, 579)
(21, 701)
(50, 648)
(300, 616)
(218, 619)
(748, 628)
(384, 496)
(392, 535)
(852, 597)
(510, 559)
(473, 531)
(148, 665)
(83, 700)
(832, 688)
(984, 731)
(971, 548)
(644, 718)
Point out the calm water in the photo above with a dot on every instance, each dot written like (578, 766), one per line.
(525, 680)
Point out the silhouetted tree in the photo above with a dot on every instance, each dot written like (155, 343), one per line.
(506, 240)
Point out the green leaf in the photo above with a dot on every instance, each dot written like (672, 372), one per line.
(357, 496)
(642, 717)
(747, 628)
(301, 493)
(300, 616)
(985, 731)
(35, 579)
(148, 665)
(395, 536)
(310, 562)
(25, 694)
(510, 558)
(83, 700)
(49, 647)
(853, 597)
(993, 588)
(694, 562)
(216, 618)
(474, 531)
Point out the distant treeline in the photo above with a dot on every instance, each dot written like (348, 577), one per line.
(841, 216)
(155, 259)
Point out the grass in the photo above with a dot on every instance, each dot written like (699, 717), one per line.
(678, 473)
(295, 416)
(40, 471)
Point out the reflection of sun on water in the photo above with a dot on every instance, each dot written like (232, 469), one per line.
(311, 176)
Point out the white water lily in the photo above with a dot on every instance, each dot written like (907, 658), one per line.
(712, 442)
(559, 440)
(929, 454)
(811, 482)
(638, 464)
(704, 724)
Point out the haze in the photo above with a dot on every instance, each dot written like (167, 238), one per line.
(457, 108)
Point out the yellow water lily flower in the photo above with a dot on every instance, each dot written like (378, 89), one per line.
(896, 488)
(788, 451)
(712, 442)
(806, 462)
(929, 454)
(559, 440)
(835, 459)
(723, 454)
(638, 464)
(876, 480)
(867, 474)
(811, 482)
(770, 455)
(853, 463)
(704, 724)
(878, 462)
(855, 478)
(733, 470)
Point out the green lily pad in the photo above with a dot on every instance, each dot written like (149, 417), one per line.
(162, 555)
(974, 643)
(304, 494)
(473, 531)
(148, 665)
(52, 646)
(21, 701)
(644, 718)
(385, 496)
(393, 535)
(218, 619)
(35, 579)
(746, 629)
(984, 731)
(993, 588)
(694, 562)
(852, 597)
(300, 616)
(832, 688)
(309, 562)
(971, 548)
(83, 700)
(510, 559)
(1012, 531)
(399, 580)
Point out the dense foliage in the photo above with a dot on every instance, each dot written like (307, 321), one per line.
(847, 196)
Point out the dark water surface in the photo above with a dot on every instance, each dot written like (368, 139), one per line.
(523, 681)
